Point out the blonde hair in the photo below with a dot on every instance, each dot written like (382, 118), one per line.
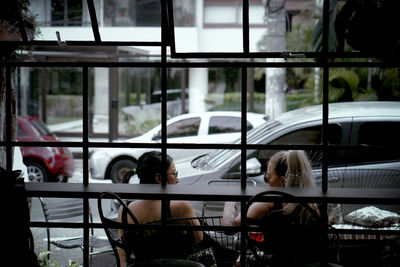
(295, 166)
(298, 170)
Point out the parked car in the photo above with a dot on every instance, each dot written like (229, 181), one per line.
(351, 123)
(205, 127)
(18, 163)
(44, 164)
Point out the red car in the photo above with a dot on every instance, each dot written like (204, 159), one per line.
(44, 164)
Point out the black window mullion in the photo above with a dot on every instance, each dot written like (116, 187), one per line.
(243, 173)
(245, 26)
(244, 126)
(243, 154)
(85, 231)
(8, 119)
(171, 27)
(93, 21)
(325, 117)
(85, 129)
(325, 95)
(164, 42)
(85, 148)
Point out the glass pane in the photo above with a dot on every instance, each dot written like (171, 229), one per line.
(183, 128)
(184, 13)
(285, 26)
(220, 14)
(378, 133)
(223, 124)
(132, 13)
(139, 109)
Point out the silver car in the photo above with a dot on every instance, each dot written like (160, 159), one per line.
(350, 123)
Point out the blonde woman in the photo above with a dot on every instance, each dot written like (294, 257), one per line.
(285, 169)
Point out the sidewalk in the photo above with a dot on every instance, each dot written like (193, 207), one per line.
(78, 174)
(100, 125)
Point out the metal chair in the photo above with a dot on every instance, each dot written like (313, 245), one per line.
(73, 208)
(213, 243)
(111, 226)
(285, 240)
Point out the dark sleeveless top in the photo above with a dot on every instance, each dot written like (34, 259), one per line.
(157, 244)
(289, 236)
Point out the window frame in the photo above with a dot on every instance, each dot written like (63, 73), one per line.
(87, 191)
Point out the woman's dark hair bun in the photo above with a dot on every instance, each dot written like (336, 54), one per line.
(149, 164)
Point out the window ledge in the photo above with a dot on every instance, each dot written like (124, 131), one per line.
(221, 193)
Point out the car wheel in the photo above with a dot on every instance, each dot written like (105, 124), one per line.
(119, 169)
(36, 173)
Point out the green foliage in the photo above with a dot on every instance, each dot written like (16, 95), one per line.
(74, 264)
(143, 121)
(232, 101)
(9, 26)
(299, 98)
(349, 77)
(132, 98)
(344, 85)
(317, 33)
(388, 86)
(45, 261)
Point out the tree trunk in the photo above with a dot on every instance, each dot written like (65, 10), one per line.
(3, 133)
(275, 78)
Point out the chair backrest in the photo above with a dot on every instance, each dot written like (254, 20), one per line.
(60, 210)
(54, 210)
(136, 239)
(215, 207)
(111, 226)
(297, 236)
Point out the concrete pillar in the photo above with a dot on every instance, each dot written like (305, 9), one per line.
(275, 78)
(23, 91)
(101, 92)
(198, 89)
(198, 77)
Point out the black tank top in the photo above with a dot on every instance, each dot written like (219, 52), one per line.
(158, 244)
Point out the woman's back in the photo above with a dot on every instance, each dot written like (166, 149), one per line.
(153, 168)
(158, 243)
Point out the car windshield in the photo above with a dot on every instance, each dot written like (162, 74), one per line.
(220, 156)
(41, 127)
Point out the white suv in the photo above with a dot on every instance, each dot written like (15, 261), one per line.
(203, 127)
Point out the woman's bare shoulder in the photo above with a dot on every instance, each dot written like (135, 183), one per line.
(181, 209)
(259, 209)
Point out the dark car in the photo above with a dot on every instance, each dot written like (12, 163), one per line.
(44, 164)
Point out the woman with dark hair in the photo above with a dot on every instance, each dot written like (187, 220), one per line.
(149, 169)
(156, 244)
